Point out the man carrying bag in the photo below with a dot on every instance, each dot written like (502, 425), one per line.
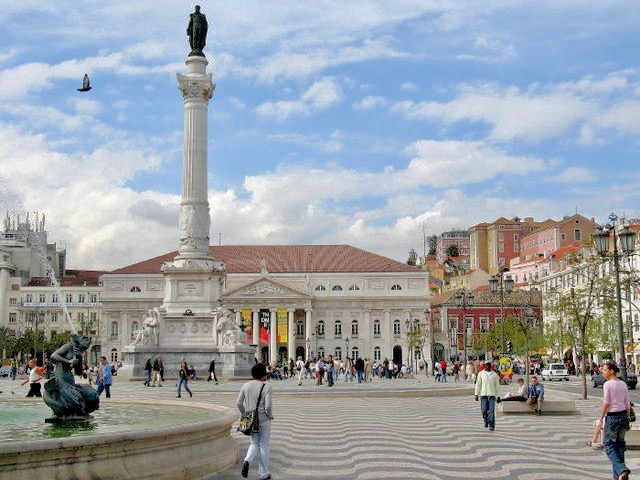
(256, 396)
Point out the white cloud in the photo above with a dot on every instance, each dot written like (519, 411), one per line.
(451, 163)
(332, 144)
(574, 175)
(370, 102)
(321, 95)
(511, 113)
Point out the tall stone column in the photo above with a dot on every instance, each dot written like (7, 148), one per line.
(291, 337)
(193, 281)
(273, 337)
(256, 330)
(197, 89)
(308, 330)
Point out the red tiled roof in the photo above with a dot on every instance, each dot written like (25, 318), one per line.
(286, 259)
(562, 252)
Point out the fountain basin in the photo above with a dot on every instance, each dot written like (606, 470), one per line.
(190, 450)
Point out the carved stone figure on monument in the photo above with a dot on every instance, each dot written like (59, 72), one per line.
(229, 332)
(149, 334)
(187, 217)
(197, 31)
(263, 266)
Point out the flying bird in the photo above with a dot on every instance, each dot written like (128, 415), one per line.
(86, 86)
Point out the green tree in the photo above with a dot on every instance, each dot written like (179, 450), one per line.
(453, 251)
(7, 341)
(582, 304)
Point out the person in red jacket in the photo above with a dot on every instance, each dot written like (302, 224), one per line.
(443, 365)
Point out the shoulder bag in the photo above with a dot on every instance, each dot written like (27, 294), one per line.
(249, 422)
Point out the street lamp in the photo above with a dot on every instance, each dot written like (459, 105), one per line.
(527, 319)
(347, 342)
(464, 299)
(627, 243)
(501, 285)
(308, 356)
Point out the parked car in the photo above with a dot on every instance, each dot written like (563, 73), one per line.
(597, 380)
(5, 371)
(555, 371)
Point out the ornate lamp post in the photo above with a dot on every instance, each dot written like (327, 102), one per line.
(308, 349)
(501, 285)
(627, 244)
(464, 298)
(347, 342)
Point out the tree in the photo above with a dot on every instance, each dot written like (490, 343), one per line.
(432, 242)
(7, 341)
(453, 251)
(582, 305)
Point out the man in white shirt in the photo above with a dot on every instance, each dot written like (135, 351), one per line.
(488, 389)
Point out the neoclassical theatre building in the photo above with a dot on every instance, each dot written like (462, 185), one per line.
(319, 299)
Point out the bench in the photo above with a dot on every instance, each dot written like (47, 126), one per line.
(549, 406)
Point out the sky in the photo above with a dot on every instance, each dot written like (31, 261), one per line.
(364, 122)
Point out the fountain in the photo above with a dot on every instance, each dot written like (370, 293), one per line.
(129, 439)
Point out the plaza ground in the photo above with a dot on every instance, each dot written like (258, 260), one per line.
(401, 429)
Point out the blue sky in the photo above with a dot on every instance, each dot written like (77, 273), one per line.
(360, 122)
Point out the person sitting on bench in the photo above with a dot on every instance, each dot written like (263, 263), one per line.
(536, 395)
(520, 395)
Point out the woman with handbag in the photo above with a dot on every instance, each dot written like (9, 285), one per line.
(614, 413)
(256, 395)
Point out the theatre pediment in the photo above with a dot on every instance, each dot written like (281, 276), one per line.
(265, 288)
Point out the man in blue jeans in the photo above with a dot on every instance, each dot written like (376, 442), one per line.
(104, 379)
(488, 389)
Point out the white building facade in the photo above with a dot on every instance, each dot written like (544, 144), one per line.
(326, 299)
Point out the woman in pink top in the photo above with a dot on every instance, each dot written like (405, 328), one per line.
(615, 414)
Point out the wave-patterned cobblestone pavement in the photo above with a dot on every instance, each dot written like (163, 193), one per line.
(387, 431)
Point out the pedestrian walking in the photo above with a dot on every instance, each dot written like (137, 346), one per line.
(183, 378)
(250, 393)
(157, 372)
(301, 370)
(35, 375)
(148, 368)
(615, 415)
(212, 371)
(104, 378)
(468, 372)
(359, 365)
(14, 368)
(488, 390)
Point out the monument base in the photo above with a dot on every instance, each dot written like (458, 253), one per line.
(232, 361)
(69, 419)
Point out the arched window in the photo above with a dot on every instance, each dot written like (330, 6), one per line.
(376, 328)
(377, 353)
(396, 327)
(337, 288)
(114, 355)
(353, 288)
(134, 329)
(354, 327)
(135, 289)
(396, 287)
(299, 329)
(337, 329)
(320, 288)
(338, 354)
(354, 353)
(114, 329)
(321, 351)
(321, 328)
